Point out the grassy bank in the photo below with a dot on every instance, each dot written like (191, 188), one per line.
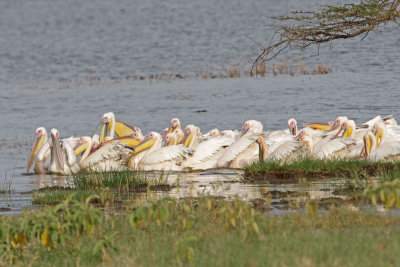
(315, 168)
(113, 187)
(201, 232)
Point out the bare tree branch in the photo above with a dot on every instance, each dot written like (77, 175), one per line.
(328, 24)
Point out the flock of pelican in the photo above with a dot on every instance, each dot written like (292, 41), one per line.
(121, 146)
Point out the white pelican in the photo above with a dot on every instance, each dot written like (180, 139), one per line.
(115, 127)
(328, 148)
(337, 124)
(212, 133)
(192, 137)
(63, 159)
(40, 152)
(386, 150)
(292, 124)
(229, 133)
(150, 156)
(244, 150)
(208, 153)
(174, 124)
(109, 156)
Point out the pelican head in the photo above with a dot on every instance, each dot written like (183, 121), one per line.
(292, 123)
(106, 120)
(175, 123)
(150, 140)
(251, 126)
(95, 141)
(191, 132)
(348, 128)
(214, 132)
(170, 139)
(40, 140)
(308, 141)
(55, 138)
(85, 142)
(338, 122)
(179, 135)
(228, 133)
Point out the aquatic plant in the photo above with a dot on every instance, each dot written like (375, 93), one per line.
(317, 168)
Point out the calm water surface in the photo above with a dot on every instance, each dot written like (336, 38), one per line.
(51, 50)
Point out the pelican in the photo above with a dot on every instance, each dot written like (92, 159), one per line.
(150, 156)
(191, 138)
(175, 124)
(230, 133)
(109, 156)
(211, 133)
(292, 123)
(115, 127)
(63, 159)
(40, 152)
(208, 153)
(383, 151)
(244, 150)
(328, 148)
(337, 124)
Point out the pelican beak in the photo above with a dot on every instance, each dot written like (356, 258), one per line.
(378, 136)
(122, 129)
(57, 147)
(338, 133)
(104, 130)
(367, 147)
(129, 140)
(334, 127)
(37, 145)
(80, 148)
(172, 128)
(348, 132)
(145, 144)
(187, 139)
(244, 131)
(171, 141)
(322, 126)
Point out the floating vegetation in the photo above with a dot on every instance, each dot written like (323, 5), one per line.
(318, 168)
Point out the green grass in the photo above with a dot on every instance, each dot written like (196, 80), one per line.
(123, 181)
(315, 168)
(200, 232)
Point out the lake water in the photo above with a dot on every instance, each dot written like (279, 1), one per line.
(63, 65)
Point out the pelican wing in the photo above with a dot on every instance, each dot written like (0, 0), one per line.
(285, 149)
(72, 141)
(385, 150)
(114, 151)
(334, 145)
(165, 154)
(236, 148)
(369, 124)
(69, 153)
(208, 149)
